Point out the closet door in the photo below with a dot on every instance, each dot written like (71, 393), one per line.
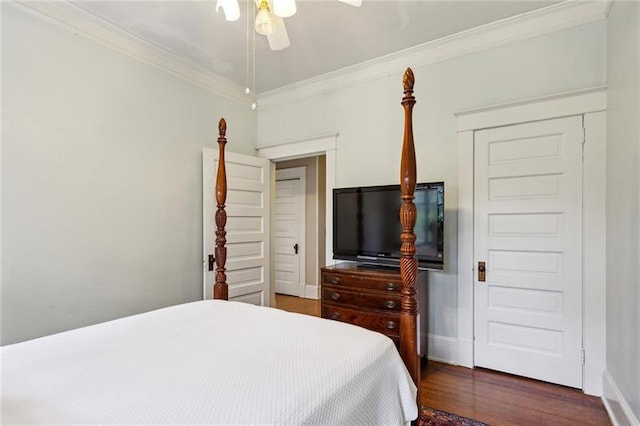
(528, 234)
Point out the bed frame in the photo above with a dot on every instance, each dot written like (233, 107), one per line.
(408, 262)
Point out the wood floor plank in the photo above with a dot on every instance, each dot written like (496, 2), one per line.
(499, 398)
(489, 396)
(297, 304)
(544, 402)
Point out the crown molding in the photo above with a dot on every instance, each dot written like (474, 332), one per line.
(608, 7)
(539, 22)
(92, 27)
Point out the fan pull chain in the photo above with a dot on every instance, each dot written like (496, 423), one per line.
(254, 105)
(247, 90)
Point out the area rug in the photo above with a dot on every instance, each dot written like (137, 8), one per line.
(432, 417)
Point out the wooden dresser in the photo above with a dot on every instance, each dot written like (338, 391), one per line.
(370, 297)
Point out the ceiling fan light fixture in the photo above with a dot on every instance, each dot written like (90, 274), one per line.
(284, 8)
(264, 21)
(231, 9)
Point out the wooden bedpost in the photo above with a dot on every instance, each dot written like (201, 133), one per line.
(220, 288)
(408, 262)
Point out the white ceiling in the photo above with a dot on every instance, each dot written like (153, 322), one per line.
(325, 35)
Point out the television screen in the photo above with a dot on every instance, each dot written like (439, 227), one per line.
(366, 224)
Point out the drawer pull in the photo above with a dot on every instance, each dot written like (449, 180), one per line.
(335, 315)
(390, 304)
(390, 286)
(335, 296)
(391, 325)
(335, 280)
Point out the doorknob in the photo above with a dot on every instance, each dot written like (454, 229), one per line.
(482, 269)
(295, 247)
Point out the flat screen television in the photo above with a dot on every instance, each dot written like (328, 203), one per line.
(366, 225)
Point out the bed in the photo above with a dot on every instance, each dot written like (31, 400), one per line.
(223, 362)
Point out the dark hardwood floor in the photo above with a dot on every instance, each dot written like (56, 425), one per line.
(503, 399)
(488, 396)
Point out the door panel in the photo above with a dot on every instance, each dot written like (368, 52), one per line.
(289, 202)
(528, 230)
(247, 227)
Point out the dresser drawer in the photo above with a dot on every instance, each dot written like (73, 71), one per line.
(363, 282)
(340, 296)
(387, 324)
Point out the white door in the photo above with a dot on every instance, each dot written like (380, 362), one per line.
(289, 231)
(528, 230)
(247, 207)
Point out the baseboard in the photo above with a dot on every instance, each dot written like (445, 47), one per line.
(311, 292)
(617, 407)
(465, 352)
(442, 349)
(593, 376)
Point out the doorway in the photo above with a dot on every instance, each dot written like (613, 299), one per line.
(323, 147)
(303, 221)
(590, 105)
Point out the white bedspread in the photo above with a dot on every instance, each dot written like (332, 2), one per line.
(208, 362)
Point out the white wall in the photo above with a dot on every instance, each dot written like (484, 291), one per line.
(623, 213)
(369, 120)
(101, 179)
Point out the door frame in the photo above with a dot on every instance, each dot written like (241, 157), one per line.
(299, 174)
(324, 144)
(591, 104)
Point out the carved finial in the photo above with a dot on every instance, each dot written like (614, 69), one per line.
(408, 80)
(222, 127)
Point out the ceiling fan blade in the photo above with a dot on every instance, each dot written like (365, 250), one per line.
(231, 9)
(279, 40)
(356, 3)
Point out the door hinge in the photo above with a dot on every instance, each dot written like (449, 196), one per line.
(582, 356)
(584, 135)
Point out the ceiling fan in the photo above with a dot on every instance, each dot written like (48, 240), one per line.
(269, 19)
